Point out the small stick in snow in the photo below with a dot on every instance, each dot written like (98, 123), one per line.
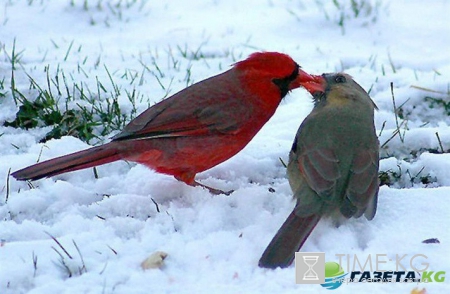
(440, 142)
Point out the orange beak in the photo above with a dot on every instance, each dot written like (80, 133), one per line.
(311, 83)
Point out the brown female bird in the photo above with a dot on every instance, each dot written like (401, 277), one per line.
(198, 127)
(333, 164)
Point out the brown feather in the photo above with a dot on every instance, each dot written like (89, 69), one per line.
(289, 238)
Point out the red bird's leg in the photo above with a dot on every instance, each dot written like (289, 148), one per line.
(212, 190)
(189, 178)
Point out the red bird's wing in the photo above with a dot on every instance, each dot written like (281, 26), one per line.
(207, 107)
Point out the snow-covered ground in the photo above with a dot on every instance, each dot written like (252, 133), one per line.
(111, 224)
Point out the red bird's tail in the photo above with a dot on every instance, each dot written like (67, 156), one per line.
(288, 240)
(71, 162)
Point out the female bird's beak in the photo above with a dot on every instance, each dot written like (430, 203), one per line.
(311, 83)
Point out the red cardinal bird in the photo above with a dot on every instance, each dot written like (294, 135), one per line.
(198, 127)
(333, 164)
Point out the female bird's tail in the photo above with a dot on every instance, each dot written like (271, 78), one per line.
(79, 160)
(288, 240)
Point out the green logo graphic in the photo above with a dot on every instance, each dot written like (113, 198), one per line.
(334, 275)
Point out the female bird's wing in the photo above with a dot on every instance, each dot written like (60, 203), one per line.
(319, 173)
(363, 185)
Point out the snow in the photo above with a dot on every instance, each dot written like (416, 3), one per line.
(214, 242)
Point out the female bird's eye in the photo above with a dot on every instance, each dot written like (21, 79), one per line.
(340, 79)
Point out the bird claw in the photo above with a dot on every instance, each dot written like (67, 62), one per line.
(212, 190)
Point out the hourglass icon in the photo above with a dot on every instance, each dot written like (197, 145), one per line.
(310, 274)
